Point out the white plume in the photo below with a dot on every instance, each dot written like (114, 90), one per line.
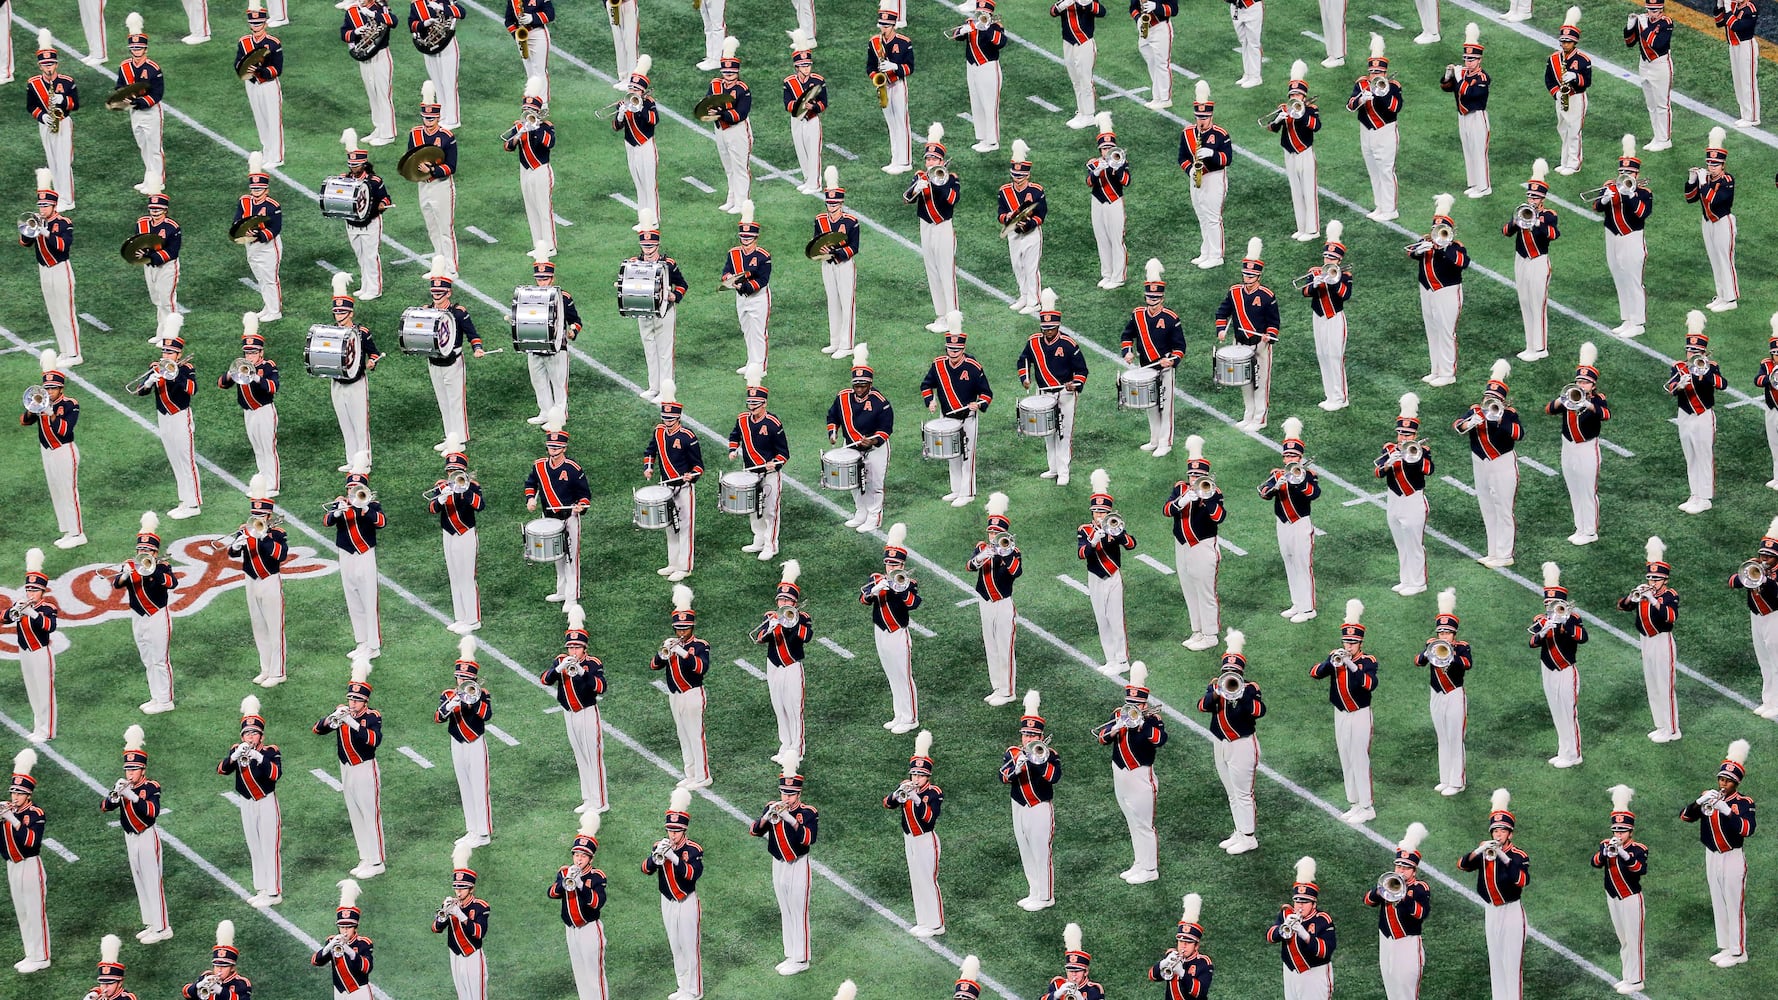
(682, 597)
(1620, 797)
(1237, 642)
(1656, 550)
(1501, 800)
(1194, 447)
(1447, 601)
(1589, 352)
(1191, 907)
(1033, 701)
(792, 570)
(1411, 840)
(1354, 612)
(1552, 575)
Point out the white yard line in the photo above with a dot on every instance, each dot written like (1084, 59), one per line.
(501, 735)
(93, 321)
(327, 779)
(1072, 582)
(700, 185)
(624, 200)
(837, 649)
(1460, 484)
(250, 283)
(921, 631)
(414, 755)
(1158, 566)
(479, 234)
(55, 847)
(755, 671)
(1045, 105)
(1223, 541)
(1580, 210)
(1616, 448)
(1385, 22)
(561, 221)
(844, 154)
(1533, 463)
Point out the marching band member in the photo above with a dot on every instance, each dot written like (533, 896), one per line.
(789, 827)
(1135, 732)
(1106, 182)
(52, 240)
(677, 863)
(1656, 607)
(582, 890)
(359, 729)
(734, 132)
(1351, 674)
(92, 23)
(6, 50)
(1738, 20)
(366, 237)
(1185, 969)
(783, 632)
(1762, 601)
(110, 979)
(624, 37)
(1022, 209)
(280, 12)
(257, 766)
(562, 486)
(805, 18)
(351, 395)
(1030, 770)
(1250, 309)
(1154, 43)
(1625, 205)
(346, 954)
(1073, 981)
(137, 801)
(1442, 260)
(917, 803)
(463, 919)
(1469, 85)
(1532, 233)
(449, 374)
(160, 265)
(263, 547)
(1725, 819)
(1293, 491)
(172, 403)
(1765, 378)
(1401, 914)
(1101, 543)
(839, 270)
(758, 440)
(1567, 75)
(957, 384)
(355, 516)
(1154, 338)
(1052, 362)
(715, 30)
(1650, 33)
(1306, 939)
(983, 38)
(528, 21)
(998, 563)
(1377, 101)
(145, 108)
(262, 56)
(1557, 635)
(457, 499)
(51, 98)
(433, 24)
(1248, 17)
(635, 119)
(1624, 861)
(934, 203)
(437, 188)
(805, 98)
(197, 22)
(1406, 505)
(1583, 411)
(21, 839)
(1693, 384)
(222, 982)
(35, 617)
(1502, 870)
(1328, 290)
(1079, 52)
(264, 242)
(1493, 427)
(1446, 669)
(968, 974)
(865, 419)
(1235, 707)
(1296, 123)
(1205, 153)
(366, 30)
(892, 596)
(1713, 188)
(55, 423)
(686, 659)
(464, 710)
(532, 137)
(148, 582)
(578, 678)
(681, 458)
(747, 271)
(658, 332)
(1196, 507)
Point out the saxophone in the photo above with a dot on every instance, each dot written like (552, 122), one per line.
(614, 9)
(521, 34)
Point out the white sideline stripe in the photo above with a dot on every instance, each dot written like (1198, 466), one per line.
(250, 283)
(1617, 448)
(327, 779)
(1364, 498)
(837, 649)
(476, 232)
(922, 631)
(1460, 484)
(844, 154)
(94, 321)
(414, 755)
(1527, 460)
(1316, 37)
(966, 602)
(661, 686)
(55, 847)
(553, 710)
(1045, 105)
(623, 200)
(1159, 567)
(39, 345)
(700, 185)
(502, 735)
(1072, 582)
(1385, 22)
(1231, 546)
(755, 671)
(966, 117)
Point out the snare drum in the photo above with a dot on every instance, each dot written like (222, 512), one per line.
(432, 332)
(941, 438)
(739, 494)
(538, 324)
(546, 540)
(346, 198)
(651, 507)
(642, 288)
(1040, 415)
(1139, 388)
(332, 352)
(1236, 364)
(842, 469)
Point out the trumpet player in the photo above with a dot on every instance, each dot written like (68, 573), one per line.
(998, 563)
(956, 384)
(172, 382)
(805, 98)
(1725, 819)
(1623, 861)
(1196, 507)
(1448, 660)
(1250, 311)
(1712, 188)
(681, 459)
(1328, 288)
(1532, 228)
(559, 483)
(789, 827)
(456, 499)
(983, 38)
(259, 62)
(263, 546)
(1205, 153)
(21, 839)
(1022, 209)
(1583, 410)
(222, 982)
(1567, 75)
(1502, 870)
(1759, 578)
(532, 137)
(149, 583)
(50, 235)
(1738, 20)
(759, 441)
(934, 203)
(1440, 260)
(635, 119)
(677, 863)
(109, 984)
(449, 373)
(1402, 901)
(1073, 981)
(734, 130)
(839, 268)
(1101, 543)
(34, 616)
(747, 271)
(358, 729)
(917, 802)
(1376, 99)
(1052, 362)
(1655, 607)
(1404, 467)
(578, 678)
(463, 920)
(255, 381)
(351, 393)
(865, 420)
(1693, 383)
(1135, 733)
(1306, 939)
(1468, 84)
(1351, 675)
(888, 62)
(1493, 427)
(137, 801)
(51, 98)
(1078, 20)
(1030, 770)
(1108, 174)
(366, 29)
(1557, 635)
(256, 767)
(783, 632)
(433, 25)
(658, 333)
(892, 596)
(1185, 969)
(1235, 707)
(346, 954)
(355, 517)
(464, 711)
(54, 415)
(366, 236)
(528, 21)
(160, 264)
(1154, 338)
(1293, 491)
(436, 187)
(1297, 121)
(686, 659)
(1650, 33)
(582, 890)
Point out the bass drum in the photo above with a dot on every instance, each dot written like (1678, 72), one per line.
(538, 323)
(1039, 415)
(642, 288)
(432, 332)
(332, 352)
(346, 198)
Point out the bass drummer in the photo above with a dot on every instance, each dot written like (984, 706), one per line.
(448, 371)
(1053, 364)
(1250, 312)
(350, 390)
(657, 331)
(957, 385)
(549, 367)
(681, 459)
(759, 441)
(1154, 338)
(366, 234)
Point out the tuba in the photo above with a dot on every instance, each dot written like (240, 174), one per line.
(1392, 887)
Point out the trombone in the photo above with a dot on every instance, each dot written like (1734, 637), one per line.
(1203, 489)
(1626, 184)
(1114, 159)
(1231, 684)
(631, 105)
(1440, 653)
(1438, 238)
(458, 481)
(940, 174)
(1308, 278)
(529, 119)
(161, 370)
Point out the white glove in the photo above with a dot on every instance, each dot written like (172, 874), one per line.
(1330, 275)
(1148, 6)
(1365, 96)
(1692, 175)
(921, 184)
(56, 100)
(1630, 23)
(1205, 152)
(1569, 77)
(524, 19)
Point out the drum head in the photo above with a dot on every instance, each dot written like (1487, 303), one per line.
(1235, 352)
(1136, 376)
(841, 456)
(944, 425)
(1046, 401)
(654, 494)
(739, 480)
(543, 527)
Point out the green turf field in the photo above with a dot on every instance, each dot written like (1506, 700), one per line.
(861, 904)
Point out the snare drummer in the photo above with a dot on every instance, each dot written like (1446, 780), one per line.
(351, 392)
(758, 439)
(448, 373)
(257, 395)
(1251, 310)
(1154, 338)
(458, 498)
(1196, 507)
(356, 517)
(863, 418)
(172, 405)
(559, 483)
(657, 331)
(265, 250)
(366, 237)
(747, 271)
(1052, 363)
(160, 269)
(681, 459)
(549, 368)
(957, 384)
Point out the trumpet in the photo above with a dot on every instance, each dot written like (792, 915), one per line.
(1574, 397)
(1308, 278)
(1342, 660)
(981, 20)
(529, 119)
(1411, 452)
(904, 791)
(208, 986)
(1641, 593)
(880, 80)
(1068, 991)
(1491, 850)
(1611, 848)
(1525, 216)
(572, 880)
(898, 580)
(661, 851)
(775, 812)
(1202, 489)
(1231, 684)
(160, 371)
(36, 399)
(940, 174)
(32, 225)
(342, 716)
(1753, 574)
(1292, 925)
(1711, 800)
(121, 790)
(1038, 750)
(445, 908)
(672, 646)
(241, 371)
(1440, 653)
(14, 612)
(1392, 887)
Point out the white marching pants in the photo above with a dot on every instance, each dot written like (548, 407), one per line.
(1198, 566)
(29, 899)
(1107, 595)
(1744, 69)
(1296, 545)
(683, 920)
(1207, 199)
(1058, 448)
(38, 668)
(1401, 961)
(163, 287)
(1330, 354)
(449, 391)
(999, 641)
(197, 18)
(267, 103)
(644, 162)
(264, 261)
(984, 100)
(438, 208)
(765, 524)
(351, 410)
(1439, 312)
(1137, 794)
(92, 23)
(363, 784)
(922, 856)
(1580, 471)
(734, 147)
(587, 740)
(154, 640)
(1472, 134)
(1626, 920)
(586, 957)
(895, 119)
(469, 975)
(1248, 23)
(869, 499)
(1496, 493)
(177, 441)
(441, 69)
(1657, 95)
(1305, 200)
(537, 186)
(1727, 875)
(754, 315)
(538, 62)
(1160, 418)
(1026, 253)
(658, 336)
(6, 50)
(58, 156)
(790, 884)
(1625, 257)
(896, 651)
(805, 135)
(1333, 29)
(682, 535)
(1378, 147)
(265, 612)
(688, 720)
(1078, 58)
(262, 434)
(785, 685)
(146, 126)
(61, 470)
(1450, 725)
(568, 567)
(1505, 929)
(263, 827)
(549, 379)
(57, 284)
(460, 553)
(1034, 828)
(378, 75)
(1314, 984)
(1697, 439)
(367, 242)
(470, 761)
(624, 37)
(1352, 736)
(1428, 11)
(841, 282)
(1108, 233)
(1568, 128)
(1157, 54)
(1531, 278)
(1659, 658)
(938, 247)
(1407, 525)
(962, 468)
(144, 850)
(1256, 397)
(1765, 649)
(715, 29)
(358, 578)
(1237, 761)
(1719, 246)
